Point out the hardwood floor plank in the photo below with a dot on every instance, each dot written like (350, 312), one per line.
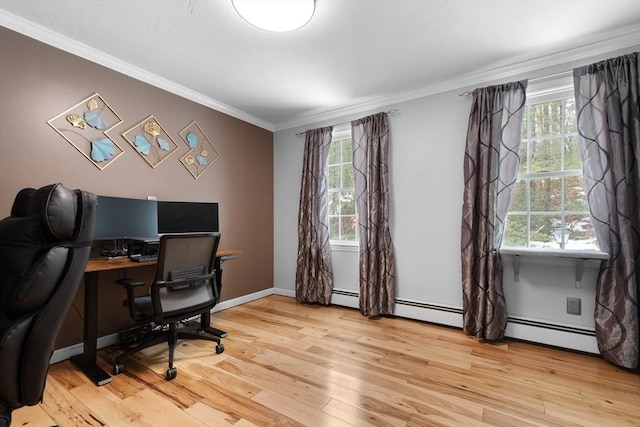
(361, 417)
(65, 408)
(211, 416)
(297, 411)
(589, 416)
(299, 365)
(160, 411)
(108, 407)
(34, 416)
(267, 377)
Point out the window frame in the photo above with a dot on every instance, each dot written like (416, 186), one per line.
(552, 88)
(341, 133)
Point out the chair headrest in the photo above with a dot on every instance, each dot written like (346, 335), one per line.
(58, 210)
(20, 204)
(44, 216)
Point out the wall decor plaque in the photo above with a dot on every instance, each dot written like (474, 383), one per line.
(151, 141)
(86, 126)
(201, 152)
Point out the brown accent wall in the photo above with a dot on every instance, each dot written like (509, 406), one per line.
(37, 82)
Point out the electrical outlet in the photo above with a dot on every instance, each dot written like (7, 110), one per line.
(573, 305)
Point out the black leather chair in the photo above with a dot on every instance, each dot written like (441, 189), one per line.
(44, 248)
(184, 287)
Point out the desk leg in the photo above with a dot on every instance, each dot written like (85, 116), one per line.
(205, 318)
(87, 361)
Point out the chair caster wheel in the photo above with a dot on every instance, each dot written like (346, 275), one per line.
(118, 368)
(220, 348)
(171, 373)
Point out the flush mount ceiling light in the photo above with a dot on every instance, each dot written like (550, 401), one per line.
(276, 15)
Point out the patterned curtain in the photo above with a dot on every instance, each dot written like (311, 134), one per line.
(370, 138)
(314, 275)
(490, 169)
(609, 127)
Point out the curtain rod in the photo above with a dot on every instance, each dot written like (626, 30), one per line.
(534, 80)
(391, 112)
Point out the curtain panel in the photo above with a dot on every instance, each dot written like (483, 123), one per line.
(370, 139)
(314, 274)
(490, 169)
(608, 113)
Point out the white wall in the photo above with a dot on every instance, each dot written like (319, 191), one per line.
(426, 151)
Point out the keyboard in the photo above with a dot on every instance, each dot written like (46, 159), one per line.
(143, 258)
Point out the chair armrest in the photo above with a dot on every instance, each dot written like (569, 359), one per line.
(130, 285)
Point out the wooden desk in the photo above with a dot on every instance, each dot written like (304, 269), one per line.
(87, 361)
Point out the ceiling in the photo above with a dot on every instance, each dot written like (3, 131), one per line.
(352, 54)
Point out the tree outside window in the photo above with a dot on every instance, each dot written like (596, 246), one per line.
(343, 224)
(548, 207)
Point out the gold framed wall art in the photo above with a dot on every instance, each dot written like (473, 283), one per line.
(86, 126)
(151, 141)
(202, 152)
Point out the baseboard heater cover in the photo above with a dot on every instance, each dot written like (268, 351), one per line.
(457, 310)
(555, 327)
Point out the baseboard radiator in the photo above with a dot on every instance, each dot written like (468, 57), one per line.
(537, 331)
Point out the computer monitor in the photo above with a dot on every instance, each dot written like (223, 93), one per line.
(187, 217)
(119, 218)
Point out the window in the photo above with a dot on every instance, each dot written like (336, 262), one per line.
(343, 223)
(548, 207)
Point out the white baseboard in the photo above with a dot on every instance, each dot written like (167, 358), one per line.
(433, 313)
(242, 300)
(107, 340)
(68, 352)
(284, 292)
(584, 341)
(539, 332)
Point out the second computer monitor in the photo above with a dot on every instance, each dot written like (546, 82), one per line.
(120, 218)
(187, 217)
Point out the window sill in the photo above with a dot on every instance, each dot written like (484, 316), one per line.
(579, 255)
(554, 253)
(342, 246)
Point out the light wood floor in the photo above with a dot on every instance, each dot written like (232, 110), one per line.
(289, 364)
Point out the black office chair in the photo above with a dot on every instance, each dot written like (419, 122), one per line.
(44, 248)
(185, 286)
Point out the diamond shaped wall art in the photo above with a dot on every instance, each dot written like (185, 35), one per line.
(201, 152)
(86, 126)
(151, 141)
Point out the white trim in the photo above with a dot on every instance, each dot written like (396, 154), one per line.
(242, 300)
(284, 292)
(550, 88)
(554, 253)
(620, 39)
(67, 44)
(341, 131)
(434, 313)
(344, 246)
(66, 352)
(573, 338)
(556, 338)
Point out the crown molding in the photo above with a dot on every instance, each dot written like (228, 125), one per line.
(69, 45)
(526, 65)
